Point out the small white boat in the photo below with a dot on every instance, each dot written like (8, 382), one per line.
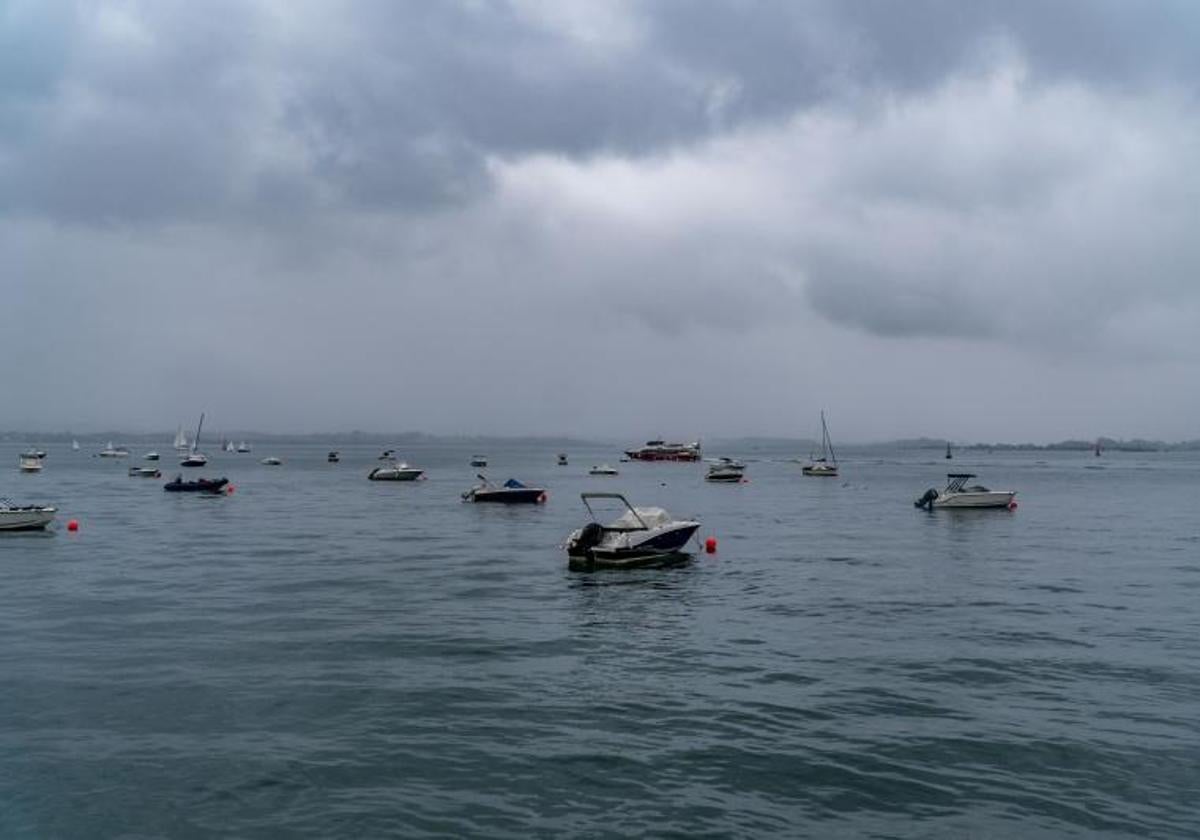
(24, 517)
(74, 446)
(229, 447)
(479, 461)
(727, 471)
(271, 461)
(562, 459)
(196, 458)
(29, 462)
(243, 447)
(110, 451)
(395, 471)
(640, 537)
(333, 457)
(150, 456)
(603, 469)
(144, 472)
(958, 494)
(825, 466)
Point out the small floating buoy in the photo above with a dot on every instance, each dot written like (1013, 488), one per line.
(1012, 505)
(542, 498)
(710, 545)
(229, 488)
(73, 525)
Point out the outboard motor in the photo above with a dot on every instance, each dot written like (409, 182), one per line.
(589, 537)
(926, 501)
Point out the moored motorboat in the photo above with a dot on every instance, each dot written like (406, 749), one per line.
(243, 447)
(562, 459)
(639, 537)
(512, 492)
(213, 486)
(479, 461)
(726, 470)
(24, 517)
(603, 469)
(333, 457)
(29, 462)
(150, 456)
(958, 494)
(271, 461)
(658, 450)
(110, 451)
(395, 471)
(144, 472)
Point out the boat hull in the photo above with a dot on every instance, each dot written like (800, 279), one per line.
(209, 486)
(509, 496)
(26, 519)
(970, 501)
(390, 474)
(820, 472)
(724, 477)
(643, 455)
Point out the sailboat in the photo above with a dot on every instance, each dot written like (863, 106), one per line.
(195, 458)
(1098, 449)
(181, 441)
(826, 466)
(949, 455)
(74, 446)
(229, 447)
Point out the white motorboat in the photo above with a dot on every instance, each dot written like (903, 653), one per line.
(144, 472)
(243, 447)
(110, 451)
(150, 456)
(639, 537)
(24, 517)
(603, 469)
(395, 471)
(29, 462)
(826, 465)
(726, 470)
(196, 458)
(271, 461)
(74, 446)
(479, 461)
(958, 494)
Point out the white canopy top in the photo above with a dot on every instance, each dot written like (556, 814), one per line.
(652, 516)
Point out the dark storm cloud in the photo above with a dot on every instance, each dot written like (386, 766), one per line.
(363, 200)
(129, 111)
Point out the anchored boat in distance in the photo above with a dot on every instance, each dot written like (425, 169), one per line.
(657, 450)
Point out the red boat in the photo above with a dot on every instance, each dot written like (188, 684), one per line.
(657, 450)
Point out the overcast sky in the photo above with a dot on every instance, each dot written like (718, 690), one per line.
(976, 220)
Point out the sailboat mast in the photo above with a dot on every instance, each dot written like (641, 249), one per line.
(826, 441)
(199, 426)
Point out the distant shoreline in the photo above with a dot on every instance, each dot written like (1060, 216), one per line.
(351, 438)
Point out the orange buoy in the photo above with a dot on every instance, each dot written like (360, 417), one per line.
(73, 525)
(710, 545)
(229, 488)
(542, 498)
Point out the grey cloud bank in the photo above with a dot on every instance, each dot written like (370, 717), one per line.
(971, 220)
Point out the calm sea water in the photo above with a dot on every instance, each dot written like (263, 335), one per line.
(321, 656)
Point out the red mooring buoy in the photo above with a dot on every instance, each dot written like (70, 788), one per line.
(73, 525)
(710, 545)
